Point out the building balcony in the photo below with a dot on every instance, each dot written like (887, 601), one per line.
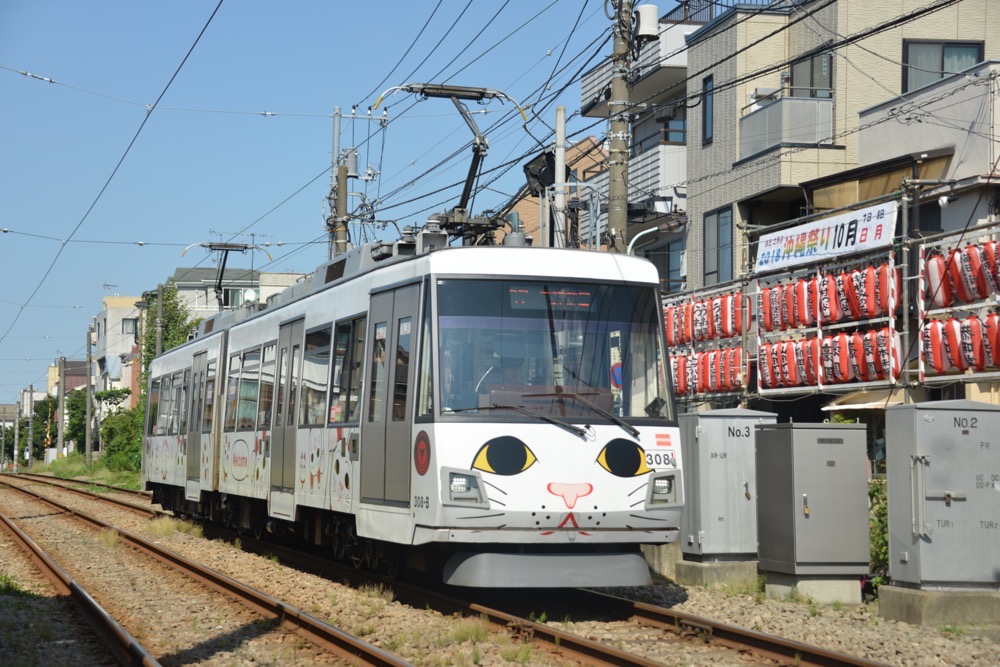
(786, 121)
(662, 69)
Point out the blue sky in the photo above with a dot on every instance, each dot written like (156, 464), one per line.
(209, 165)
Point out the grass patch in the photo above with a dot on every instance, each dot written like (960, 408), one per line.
(474, 629)
(74, 466)
(751, 587)
(952, 630)
(108, 537)
(166, 526)
(377, 591)
(10, 587)
(519, 653)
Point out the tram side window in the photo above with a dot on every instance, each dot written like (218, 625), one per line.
(232, 393)
(378, 372)
(246, 407)
(176, 386)
(400, 386)
(266, 388)
(425, 395)
(209, 412)
(163, 414)
(345, 383)
(183, 402)
(154, 405)
(315, 371)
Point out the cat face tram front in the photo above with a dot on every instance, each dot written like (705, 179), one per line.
(545, 438)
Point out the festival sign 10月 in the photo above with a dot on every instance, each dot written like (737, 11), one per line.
(841, 234)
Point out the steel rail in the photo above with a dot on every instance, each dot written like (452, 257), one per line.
(320, 633)
(146, 495)
(126, 649)
(54, 481)
(731, 636)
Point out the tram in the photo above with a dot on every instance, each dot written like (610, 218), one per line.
(498, 416)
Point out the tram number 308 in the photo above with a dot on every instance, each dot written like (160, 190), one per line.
(659, 459)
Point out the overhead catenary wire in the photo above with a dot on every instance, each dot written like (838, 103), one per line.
(114, 171)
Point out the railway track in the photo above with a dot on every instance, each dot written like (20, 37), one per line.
(669, 626)
(344, 646)
(125, 648)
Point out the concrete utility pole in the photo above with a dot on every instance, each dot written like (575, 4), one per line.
(17, 430)
(61, 428)
(90, 398)
(618, 109)
(561, 229)
(3, 446)
(159, 319)
(337, 200)
(340, 228)
(31, 424)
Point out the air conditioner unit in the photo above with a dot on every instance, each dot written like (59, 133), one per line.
(764, 94)
(663, 113)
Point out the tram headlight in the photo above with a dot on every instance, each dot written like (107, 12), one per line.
(460, 483)
(664, 489)
(463, 488)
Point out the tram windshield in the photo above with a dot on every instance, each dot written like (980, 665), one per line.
(559, 349)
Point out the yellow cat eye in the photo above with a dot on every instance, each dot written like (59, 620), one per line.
(623, 458)
(505, 455)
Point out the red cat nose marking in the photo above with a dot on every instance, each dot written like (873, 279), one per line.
(570, 492)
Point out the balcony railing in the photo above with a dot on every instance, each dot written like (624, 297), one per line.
(786, 120)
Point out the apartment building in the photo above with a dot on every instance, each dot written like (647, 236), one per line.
(774, 93)
(116, 332)
(196, 288)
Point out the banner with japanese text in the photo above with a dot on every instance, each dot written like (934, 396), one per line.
(842, 234)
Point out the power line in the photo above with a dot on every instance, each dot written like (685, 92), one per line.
(113, 172)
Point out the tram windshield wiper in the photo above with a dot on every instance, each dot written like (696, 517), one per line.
(580, 431)
(631, 430)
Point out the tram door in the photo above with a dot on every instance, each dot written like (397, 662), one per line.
(385, 431)
(287, 374)
(197, 394)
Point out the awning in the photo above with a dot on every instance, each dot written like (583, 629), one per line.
(871, 399)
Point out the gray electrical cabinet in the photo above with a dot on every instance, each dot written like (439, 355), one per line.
(719, 519)
(943, 469)
(812, 499)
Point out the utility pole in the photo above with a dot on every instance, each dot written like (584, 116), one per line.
(338, 185)
(17, 431)
(90, 398)
(559, 222)
(3, 446)
(61, 429)
(618, 109)
(31, 424)
(159, 320)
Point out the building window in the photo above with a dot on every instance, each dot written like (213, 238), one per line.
(669, 261)
(718, 246)
(813, 77)
(676, 127)
(926, 62)
(129, 325)
(233, 297)
(707, 110)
